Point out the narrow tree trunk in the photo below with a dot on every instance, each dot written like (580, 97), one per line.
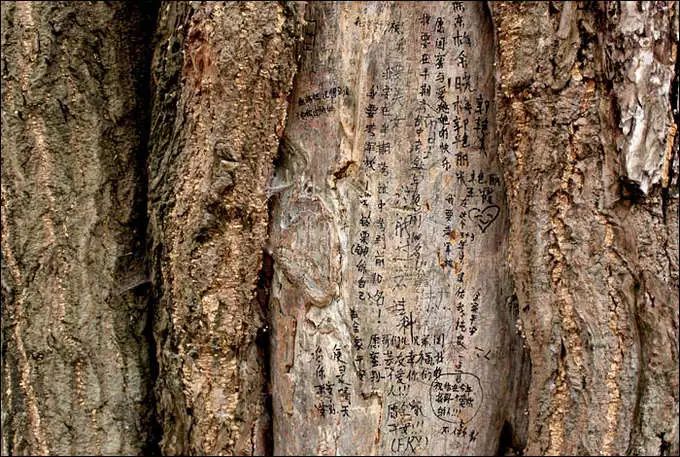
(392, 309)
(586, 143)
(221, 75)
(75, 365)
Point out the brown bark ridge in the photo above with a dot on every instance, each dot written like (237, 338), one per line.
(391, 302)
(587, 145)
(221, 75)
(75, 358)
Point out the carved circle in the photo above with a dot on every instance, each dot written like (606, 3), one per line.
(456, 396)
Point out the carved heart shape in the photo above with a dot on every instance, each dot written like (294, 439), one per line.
(484, 217)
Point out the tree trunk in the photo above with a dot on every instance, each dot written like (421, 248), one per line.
(75, 367)
(586, 139)
(221, 75)
(396, 228)
(391, 304)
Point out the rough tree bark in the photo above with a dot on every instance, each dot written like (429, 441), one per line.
(75, 365)
(470, 228)
(221, 75)
(587, 145)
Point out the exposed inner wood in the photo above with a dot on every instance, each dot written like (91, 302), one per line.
(391, 300)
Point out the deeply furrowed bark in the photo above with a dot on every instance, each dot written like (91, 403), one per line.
(586, 141)
(221, 75)
(428, 290)
(75, 357)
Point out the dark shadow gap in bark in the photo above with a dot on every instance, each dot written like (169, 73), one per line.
(513, 434)
(506, 445)
(149, 10)
(670, 191)
(515, 429)
(664, 448)
(639, 389)
(262, 341)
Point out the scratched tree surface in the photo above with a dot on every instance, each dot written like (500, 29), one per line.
(466, 244)
(391, 303)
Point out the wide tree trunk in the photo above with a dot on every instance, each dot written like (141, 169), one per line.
(75, 337)
(398, 228)
(391, 302)
(587, 145)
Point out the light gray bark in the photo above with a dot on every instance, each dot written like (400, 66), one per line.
(391, 301)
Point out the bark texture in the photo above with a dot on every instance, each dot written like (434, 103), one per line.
(586, 141)
(391, 302)
(75, 356)
(221, 74)
(468, 211)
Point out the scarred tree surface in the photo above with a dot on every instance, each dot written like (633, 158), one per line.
(391, 302)
(398, 228)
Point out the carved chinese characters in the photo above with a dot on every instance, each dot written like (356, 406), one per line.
(389, 297)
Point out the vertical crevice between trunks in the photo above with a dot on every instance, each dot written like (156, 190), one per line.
(513, 435)
(264, 335)
(149, 10)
